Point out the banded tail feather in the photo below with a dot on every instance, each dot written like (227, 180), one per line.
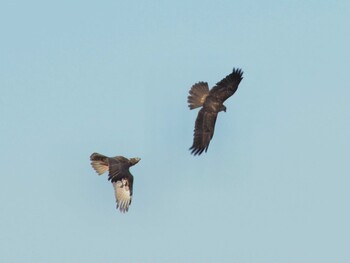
(99, 162)
(198, 94)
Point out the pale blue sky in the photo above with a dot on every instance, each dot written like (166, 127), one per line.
(113, 77)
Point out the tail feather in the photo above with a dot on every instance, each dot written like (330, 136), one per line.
(198, 94)
(99, 162)
(98, 157)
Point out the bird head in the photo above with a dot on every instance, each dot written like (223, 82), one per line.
(134, 161)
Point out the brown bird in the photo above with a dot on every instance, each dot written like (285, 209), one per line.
(211, 103)
(119, 175)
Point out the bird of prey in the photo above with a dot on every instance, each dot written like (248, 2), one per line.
(211, 102)
(119, 175)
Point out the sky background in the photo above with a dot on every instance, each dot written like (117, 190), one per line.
(78, 77)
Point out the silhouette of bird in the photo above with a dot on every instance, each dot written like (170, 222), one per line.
(211, 102)
(119, 175)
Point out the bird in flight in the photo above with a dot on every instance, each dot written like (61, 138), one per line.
(211, 102)
(119, 175)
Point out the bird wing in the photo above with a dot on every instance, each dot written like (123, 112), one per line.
(118, 168)
(123, 193)
(227, 86)
(203, 131)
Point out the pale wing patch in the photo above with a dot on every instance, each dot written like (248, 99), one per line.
(99, 167)
(122, 195)
(202, 100)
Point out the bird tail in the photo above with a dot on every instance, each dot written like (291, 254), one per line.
(99, 162)
(198, 93)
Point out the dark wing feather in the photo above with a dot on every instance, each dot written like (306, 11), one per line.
(131, 183)
(227, 86)
(203, 131)
(118, 168)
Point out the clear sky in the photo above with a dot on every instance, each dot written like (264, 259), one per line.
(78, 77)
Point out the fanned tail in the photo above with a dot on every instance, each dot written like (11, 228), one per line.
(99, 162)
(198, 94)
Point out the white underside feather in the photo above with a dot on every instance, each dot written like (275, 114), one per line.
(122, 195)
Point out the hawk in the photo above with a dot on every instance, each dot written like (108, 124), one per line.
(119, 175)
(211, 102)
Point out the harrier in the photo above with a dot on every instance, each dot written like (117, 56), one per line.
(119, 175)
(211, 102)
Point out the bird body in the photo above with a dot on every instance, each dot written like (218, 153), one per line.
(119, 175)
(211, 102)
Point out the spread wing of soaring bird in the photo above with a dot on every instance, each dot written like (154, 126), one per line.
(119, 175)
(211, 102)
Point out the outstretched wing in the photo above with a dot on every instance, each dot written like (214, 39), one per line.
(203, 131)
(227, 86)
(123, 193)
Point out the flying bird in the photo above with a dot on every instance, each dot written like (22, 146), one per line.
(119, 175)
(211, 102)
